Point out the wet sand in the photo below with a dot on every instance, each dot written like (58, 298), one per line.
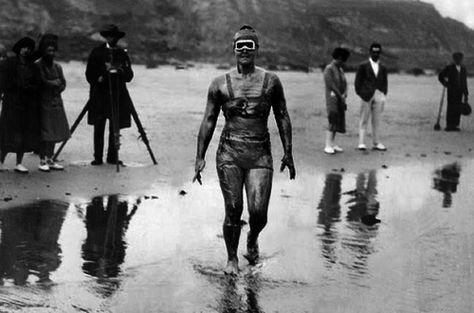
(377, 231)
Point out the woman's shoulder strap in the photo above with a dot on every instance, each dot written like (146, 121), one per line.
(228, 82)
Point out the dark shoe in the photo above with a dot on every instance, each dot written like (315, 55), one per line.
(452, 129)
(120, 162)
(97, 162)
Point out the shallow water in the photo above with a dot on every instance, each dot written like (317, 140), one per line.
(384, 240)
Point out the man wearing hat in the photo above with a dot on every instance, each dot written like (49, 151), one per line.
(246, 95)
(108, 70)
(371, 86)
(19, 123)
(454, 78)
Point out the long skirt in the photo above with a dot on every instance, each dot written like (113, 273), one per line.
(54, 124)
(19, 124)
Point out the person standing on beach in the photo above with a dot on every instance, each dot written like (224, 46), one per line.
(19, 123)
(336, 94)
(454, 78)
(371, 86)
(246, 95)
(53, 120)
(108, 70)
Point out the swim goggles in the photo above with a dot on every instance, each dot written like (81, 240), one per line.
(246, 44)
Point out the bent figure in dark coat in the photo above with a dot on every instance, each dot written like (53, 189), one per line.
(454, 78)
(19, 123)
(107, 63)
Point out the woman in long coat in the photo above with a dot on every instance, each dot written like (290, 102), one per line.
(53, 121)
(19, 123)
(336, 93)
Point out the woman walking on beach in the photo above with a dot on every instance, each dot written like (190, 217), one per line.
(245, 95)
(336, 94)
(19, 124)
(53, 121)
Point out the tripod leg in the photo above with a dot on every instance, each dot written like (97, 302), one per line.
(142, 133)
(117, 123)
(114, 115)
(73, 128)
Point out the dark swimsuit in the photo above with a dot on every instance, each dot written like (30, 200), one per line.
(243, 149)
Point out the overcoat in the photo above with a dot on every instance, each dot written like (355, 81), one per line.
(334, 79)
(54, 124)
(19, 119)
(100, 101)
(457, 83)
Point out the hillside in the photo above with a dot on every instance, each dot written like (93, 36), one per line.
(295, 34)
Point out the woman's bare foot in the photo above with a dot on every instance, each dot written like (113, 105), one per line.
(252, 254)
(232, 267)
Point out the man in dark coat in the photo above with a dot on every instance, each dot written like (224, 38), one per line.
(108, 70)
(454, 77)
(371, 86)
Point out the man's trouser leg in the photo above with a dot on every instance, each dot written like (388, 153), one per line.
(378, 104)
(111, 149)
(365, 112)
(453, 116)
(99, 128)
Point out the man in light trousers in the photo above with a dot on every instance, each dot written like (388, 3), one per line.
(371, 86)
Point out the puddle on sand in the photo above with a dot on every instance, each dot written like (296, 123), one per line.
(385, 240)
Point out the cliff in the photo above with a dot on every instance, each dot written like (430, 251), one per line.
(294, 34)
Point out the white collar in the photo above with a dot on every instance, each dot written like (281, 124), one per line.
(374, 62)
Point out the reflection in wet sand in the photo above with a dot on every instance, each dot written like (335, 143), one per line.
(232, 301)
(329, 214)
(446, 180)
(29, 249)
(238, 294)
(161, 254)
(103, 251)
(349, 244)
(362, 221)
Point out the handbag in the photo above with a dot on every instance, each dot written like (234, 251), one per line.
(466, 109)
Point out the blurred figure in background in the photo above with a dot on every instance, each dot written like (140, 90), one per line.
(53, 121)
(371, 86)
(336, 94)
(19, 123)
(454, 78)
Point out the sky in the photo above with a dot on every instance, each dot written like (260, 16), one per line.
(462, 10)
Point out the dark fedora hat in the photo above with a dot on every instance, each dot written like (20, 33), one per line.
(111, 30)
(23, 42)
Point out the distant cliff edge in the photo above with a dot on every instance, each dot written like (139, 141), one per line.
(297, 34)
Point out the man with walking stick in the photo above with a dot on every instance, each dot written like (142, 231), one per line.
(454, 78)
(108, 70)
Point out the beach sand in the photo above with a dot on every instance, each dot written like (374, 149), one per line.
(321, 252)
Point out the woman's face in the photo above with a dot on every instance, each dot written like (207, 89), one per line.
(245, 51)
(339, 62)
(50, 52)
(25, 51)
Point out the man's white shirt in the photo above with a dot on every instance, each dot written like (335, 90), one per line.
(375, 66)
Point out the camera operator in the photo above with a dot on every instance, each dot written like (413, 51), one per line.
(108, 71)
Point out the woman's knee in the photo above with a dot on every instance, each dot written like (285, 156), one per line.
(233, 213)
(258, 220)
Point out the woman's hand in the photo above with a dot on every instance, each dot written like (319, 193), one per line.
(287, 161)
(198, 167)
